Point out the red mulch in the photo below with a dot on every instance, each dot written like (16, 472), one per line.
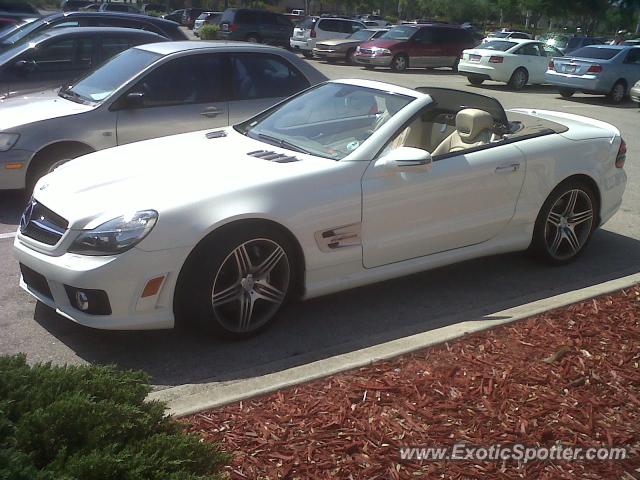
(571, 375)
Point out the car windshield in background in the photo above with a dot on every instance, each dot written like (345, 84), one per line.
(361, 35)
(399, 33)
(595, 52)
(500, 35)
(331, 120)
(500, 45)
(19, 32)
(101, 83)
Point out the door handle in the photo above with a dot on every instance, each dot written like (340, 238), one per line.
(211, 112)
(512, 167)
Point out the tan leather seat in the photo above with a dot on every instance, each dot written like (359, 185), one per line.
(412, 136)
(473, 128)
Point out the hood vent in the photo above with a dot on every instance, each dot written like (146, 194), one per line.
(274, 156)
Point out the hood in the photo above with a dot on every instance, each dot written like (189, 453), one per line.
(164, 174)
(23, 109)
(383, 43)
(336, 42)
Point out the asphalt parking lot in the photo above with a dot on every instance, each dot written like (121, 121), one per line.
(350, 320)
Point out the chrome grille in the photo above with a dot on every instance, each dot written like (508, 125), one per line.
(42, 224)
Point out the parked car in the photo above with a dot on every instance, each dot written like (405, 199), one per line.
(412, 46)
(635, 93)
(118, 7)
(506, 34)
(345, 48)
(256, 26)
(18, 11)
(154, 7)
(5, 23)
(145, 92)
(190, 15)
(74, 5)
(515, 62)
(313, 30)
(206, 18)
(574, 43)
(332, 189)
(59, 56)
(175, 16)
(377, 19)
(25, 32)
(598, 69)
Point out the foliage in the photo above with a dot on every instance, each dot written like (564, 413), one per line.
(209, 31)
(92, 423)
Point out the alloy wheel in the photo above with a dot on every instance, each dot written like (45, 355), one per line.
(399, 63)
(250, 285)
(617, 93)
(568, 224)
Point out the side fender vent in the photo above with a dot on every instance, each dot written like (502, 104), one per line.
(274, 156)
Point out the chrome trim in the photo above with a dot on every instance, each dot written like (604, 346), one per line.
(339, 237)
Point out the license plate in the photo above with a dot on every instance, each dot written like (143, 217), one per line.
(570, 68)
(474, 58)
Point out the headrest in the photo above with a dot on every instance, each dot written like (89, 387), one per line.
(471, 122)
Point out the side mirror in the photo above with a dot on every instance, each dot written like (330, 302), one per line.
(24, 66)
(407, 159)
(134, 99)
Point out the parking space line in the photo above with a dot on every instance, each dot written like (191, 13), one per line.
(7, 235)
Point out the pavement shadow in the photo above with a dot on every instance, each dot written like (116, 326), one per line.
(503, 87)
(12, 204)
(319, 328)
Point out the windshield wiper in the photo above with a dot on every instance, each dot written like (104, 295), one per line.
(66, 92)
(281, 142)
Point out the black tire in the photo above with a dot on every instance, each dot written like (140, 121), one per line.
(474, 80)
(547, 230)
(331, 60)
(454, 67)
(210, 267)
(351, 57)
(566, 92)
(618, 92)
(399, 63)
(369, 67)
(307, 54)
(251, 38)
(48, 161)
(519, 79)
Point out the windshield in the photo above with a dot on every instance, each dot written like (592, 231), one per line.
(595, 52)
(399, 33)
(361, 35)
(101, 83)
(22, 32)
(331, 120)
(500, 45)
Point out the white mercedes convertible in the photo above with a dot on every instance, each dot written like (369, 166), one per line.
(347, 183)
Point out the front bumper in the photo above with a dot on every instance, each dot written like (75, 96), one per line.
(123, 277)
(635, 94)
(13, 168)
(375, 60)
(329, 53)
(582, 83)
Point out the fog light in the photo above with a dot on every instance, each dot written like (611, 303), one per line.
(82, 301)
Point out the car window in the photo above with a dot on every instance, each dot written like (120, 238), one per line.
(248, 17)
(62, 55)
(283, 21)
(528, 49)
(352, 27)
(426, 36)
(400, 33)
(633, 56)
(379, 33)
(184, 81)
(329, 25)
(261, 76)
(111, 46)
(67, 24)
(596, 52)
(448, 36)
(268, 18)
(499, 45)
(519, 35)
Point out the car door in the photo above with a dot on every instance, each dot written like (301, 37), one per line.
(423, 50)
(52, 64)
(631, 66)
(529, 56)
(184, 94)
(258, 81)
(466, 198)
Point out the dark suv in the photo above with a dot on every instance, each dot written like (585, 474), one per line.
(257, 26)
(23, 33)
(406, 46)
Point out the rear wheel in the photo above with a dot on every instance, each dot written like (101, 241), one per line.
(519, 79)
(399, 63)
(454, 67)
(307, 54)
(48, 160)
(566, 92)
(617, 93)
(474, 80)
(565, 223)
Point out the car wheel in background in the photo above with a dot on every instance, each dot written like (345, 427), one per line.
(369, 67)
(454, 67)
(252, 39)
(565, 223)
(566, 92)
(307, 54)
(475, 80)
(49, 159)
(236, 281)
(617, 93)
(399, 63)
(351, 57)
(518, 79)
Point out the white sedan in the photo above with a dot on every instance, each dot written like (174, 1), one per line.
(513, 61)
(345, 184)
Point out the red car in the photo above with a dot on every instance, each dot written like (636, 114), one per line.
(413, 46)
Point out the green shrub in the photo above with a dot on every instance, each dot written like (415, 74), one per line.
(209, 31)
(92, 423)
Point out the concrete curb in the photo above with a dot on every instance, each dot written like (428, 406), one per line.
(192, 398)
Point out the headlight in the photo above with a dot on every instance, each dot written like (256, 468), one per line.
(358, 49)
(8, 140)
(381, 51)
(115, 236)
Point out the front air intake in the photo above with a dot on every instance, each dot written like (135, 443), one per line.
(274, 156)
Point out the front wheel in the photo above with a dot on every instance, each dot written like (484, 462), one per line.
(519, 79)
(236, 282)
(617, 93)
(351, 57)
(565, 223)
(566, 92)
(399, 63)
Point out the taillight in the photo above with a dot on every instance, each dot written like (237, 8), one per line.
(233, 27)
(496, 59)
(622, 154)
(551, 65)
(313, 34)
(595, 68)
